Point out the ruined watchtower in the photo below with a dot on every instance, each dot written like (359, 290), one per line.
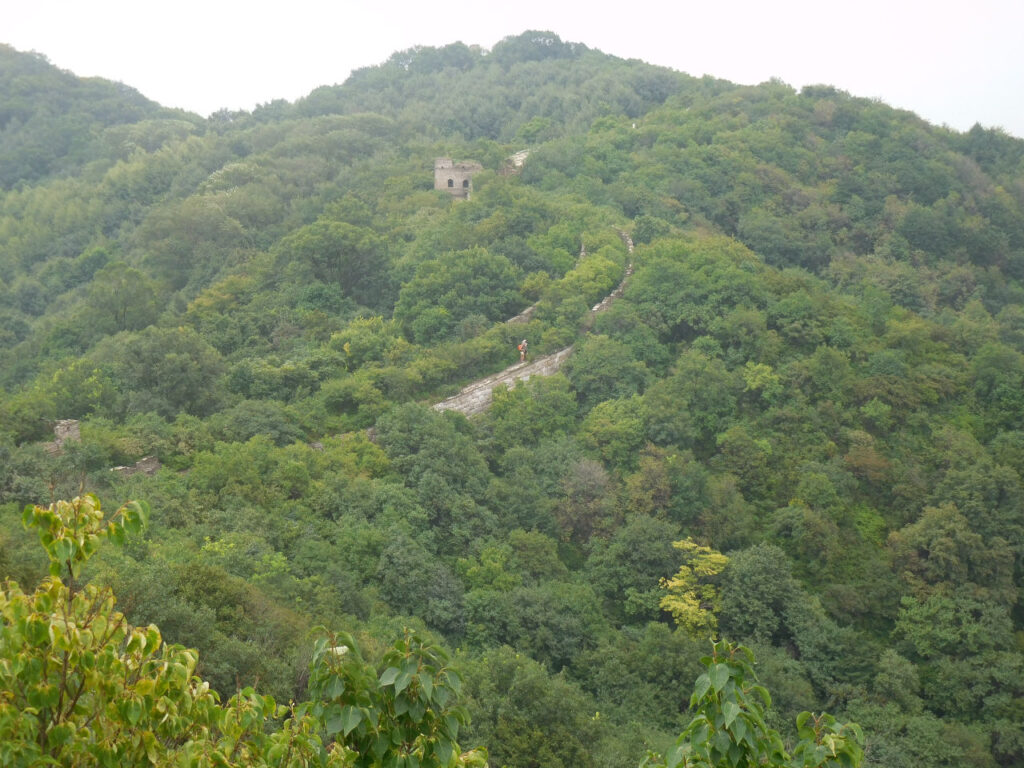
(455, 177)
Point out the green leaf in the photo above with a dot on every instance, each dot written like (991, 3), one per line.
(441, 696)
(350, 717)
(335, 687)
(401, 705)
(276, 752)
(389, 675)
(416, 711)
(152, 750)
(134, 711)
(333, 719)
(153, 638)
(735, 753)
(427, 685)
(719, 675)
(454, 681)
(443, 750)
(402, 682)
(60, 734)
(134, 516)
(761, 691)
(700, 688)
(62, 550)
(739, 730)
(722, 742)
(452, 725)
(730, 709)
(699, 734)
(750, 738)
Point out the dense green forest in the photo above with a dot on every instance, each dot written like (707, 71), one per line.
(801, 428)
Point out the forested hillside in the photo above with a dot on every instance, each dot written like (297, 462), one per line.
(801, 427)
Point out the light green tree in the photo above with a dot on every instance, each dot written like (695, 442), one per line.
(692, 599)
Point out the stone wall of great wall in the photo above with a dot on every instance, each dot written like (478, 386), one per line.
(476, 397)
(457, 177)
(472, 399)
(68, 431)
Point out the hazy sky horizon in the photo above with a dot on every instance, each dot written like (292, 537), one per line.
(950, 63)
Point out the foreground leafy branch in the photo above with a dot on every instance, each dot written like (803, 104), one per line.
(80, 686)
(729, 730)
(405, 717)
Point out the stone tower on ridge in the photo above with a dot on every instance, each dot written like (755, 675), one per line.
(455, 177)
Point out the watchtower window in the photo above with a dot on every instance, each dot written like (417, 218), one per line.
(451, 182)
(465, 183)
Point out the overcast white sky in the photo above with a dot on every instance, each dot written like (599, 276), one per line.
(952, 63)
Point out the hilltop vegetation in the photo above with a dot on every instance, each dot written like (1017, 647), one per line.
(815, 378)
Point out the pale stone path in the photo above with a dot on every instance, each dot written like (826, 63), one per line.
(476, 397)
(472, 399)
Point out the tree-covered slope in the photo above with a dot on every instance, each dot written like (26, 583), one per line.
(527, 88)
(53, 123)
(812, 381)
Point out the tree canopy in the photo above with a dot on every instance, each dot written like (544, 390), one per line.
(812, 374)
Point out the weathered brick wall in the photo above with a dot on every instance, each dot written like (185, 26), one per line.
(454, 177)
